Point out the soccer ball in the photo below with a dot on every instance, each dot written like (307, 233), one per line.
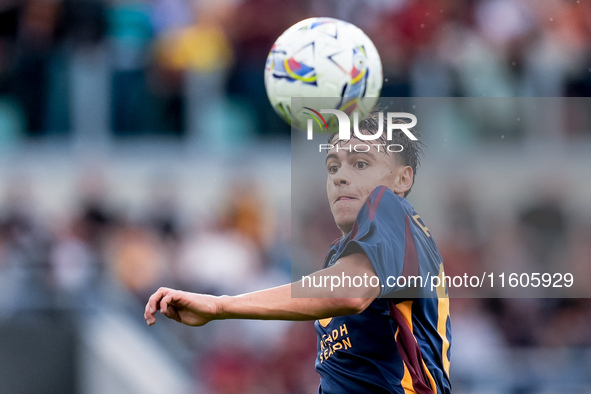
(323, 58)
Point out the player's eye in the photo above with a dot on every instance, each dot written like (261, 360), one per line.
(360, 165)
(332, 169)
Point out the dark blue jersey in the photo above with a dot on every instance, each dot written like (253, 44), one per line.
(401, 342)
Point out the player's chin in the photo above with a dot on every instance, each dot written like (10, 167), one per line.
(344, 219)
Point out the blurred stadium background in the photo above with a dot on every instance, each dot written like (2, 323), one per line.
(127, 132)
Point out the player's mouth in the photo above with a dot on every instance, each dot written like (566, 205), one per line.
(344, 198)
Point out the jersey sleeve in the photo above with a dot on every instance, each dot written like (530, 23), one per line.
(382, 232)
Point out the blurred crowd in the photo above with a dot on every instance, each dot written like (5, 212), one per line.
(542, 235)
(98, 256)
(153, 68)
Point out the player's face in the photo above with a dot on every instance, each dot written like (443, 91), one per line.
(353, 175)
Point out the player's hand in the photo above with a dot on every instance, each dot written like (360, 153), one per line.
(188, 308)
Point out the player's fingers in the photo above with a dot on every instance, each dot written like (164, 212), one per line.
(153, 305)
(166, 300)
(149, 316)
(146, 313)
(154, 300)
(172, 313)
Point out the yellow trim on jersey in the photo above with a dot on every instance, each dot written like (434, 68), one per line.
(421, 225)
(442, 315)
(441, 290)
(443, 311)
(431, 380)
(324, 322)
(405, 309)
(406, 381)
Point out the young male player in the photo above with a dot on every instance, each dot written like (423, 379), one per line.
(388, 336)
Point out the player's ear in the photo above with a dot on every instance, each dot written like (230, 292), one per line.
(403, 180)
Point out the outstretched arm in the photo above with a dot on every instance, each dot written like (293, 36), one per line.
(270, 304)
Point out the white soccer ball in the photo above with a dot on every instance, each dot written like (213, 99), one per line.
(323, 58)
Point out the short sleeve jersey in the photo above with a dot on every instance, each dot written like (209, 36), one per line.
(401, 342)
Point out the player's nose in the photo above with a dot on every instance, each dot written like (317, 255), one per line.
(341, 177)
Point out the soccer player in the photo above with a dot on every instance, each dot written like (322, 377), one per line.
(390, 335)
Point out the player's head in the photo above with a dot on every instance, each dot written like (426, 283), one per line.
(357, 167)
